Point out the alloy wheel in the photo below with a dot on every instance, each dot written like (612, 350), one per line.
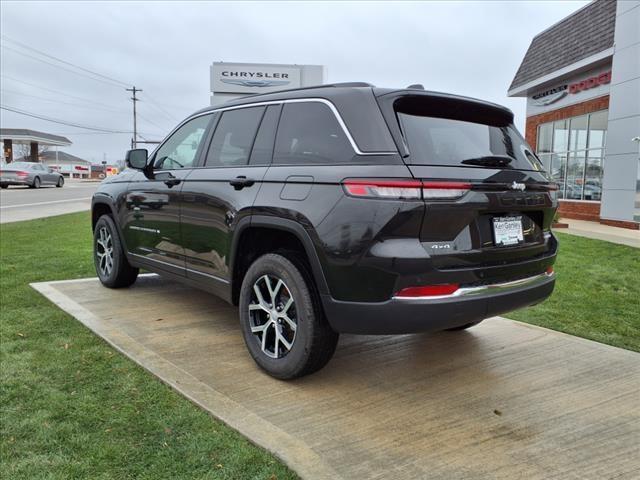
(104, 251)
(272, 316)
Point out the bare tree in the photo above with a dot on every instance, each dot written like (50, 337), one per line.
(23, 151)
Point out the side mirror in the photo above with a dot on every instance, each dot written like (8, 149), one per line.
(137, 158)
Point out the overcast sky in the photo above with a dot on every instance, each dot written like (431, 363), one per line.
(472, 48)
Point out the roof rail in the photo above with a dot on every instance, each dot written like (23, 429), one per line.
(312, 87)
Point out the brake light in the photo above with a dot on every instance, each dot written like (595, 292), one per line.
(407, 189)
(22, 174)
(428, 290)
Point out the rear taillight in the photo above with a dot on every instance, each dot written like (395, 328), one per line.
(22, 174)
(405, 189)
(409, 189)
(428, 291)
(442, 190)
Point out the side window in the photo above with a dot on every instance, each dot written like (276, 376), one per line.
(310, 133)
(180, 150)
(233, 138)
(263, 146)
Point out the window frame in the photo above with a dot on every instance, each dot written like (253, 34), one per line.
(216, 114)
(582, 152)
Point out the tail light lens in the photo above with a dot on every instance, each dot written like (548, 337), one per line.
(428, 290)
(405, 189)
(22, 174)
(444, 190)
(409, 189)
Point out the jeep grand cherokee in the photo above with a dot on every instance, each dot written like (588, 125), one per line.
(338, 208)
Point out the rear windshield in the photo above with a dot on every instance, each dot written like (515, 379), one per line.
(20, 165)
(437, 140)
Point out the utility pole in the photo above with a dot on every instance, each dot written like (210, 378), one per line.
(134, 140)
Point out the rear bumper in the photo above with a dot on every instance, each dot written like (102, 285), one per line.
(14, 181)
(412, 315)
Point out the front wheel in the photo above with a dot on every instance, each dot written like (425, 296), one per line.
(112, 267)
(283, 324)
(60, 182)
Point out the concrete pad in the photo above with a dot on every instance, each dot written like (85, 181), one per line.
(503, 400)
(621, 236)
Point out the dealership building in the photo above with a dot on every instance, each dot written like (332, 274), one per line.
(581, 79)
(234, 80)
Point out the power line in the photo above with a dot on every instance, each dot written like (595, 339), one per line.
(44, 54)
(157, 106)
(22, 82)
(107, 82)
(63, 103)
(61, 122)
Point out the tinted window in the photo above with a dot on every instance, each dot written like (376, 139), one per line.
(233, 138)
(180, 149)
(263, 146)
(444, 141)
(310, 133)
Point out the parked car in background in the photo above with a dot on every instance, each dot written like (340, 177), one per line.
(31, 174)
(337, 209)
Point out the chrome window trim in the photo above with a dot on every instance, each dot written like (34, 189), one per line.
(326, 102)
(490, 289)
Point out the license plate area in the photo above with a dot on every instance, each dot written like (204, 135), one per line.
(507, 231)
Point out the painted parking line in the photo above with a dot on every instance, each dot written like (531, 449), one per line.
(46, 203)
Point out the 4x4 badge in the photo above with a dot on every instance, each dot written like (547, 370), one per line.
(518, 186)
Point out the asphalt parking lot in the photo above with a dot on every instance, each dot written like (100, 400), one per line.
(23, 203)
(503, 400)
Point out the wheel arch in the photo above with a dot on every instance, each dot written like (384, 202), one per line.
(283, 229)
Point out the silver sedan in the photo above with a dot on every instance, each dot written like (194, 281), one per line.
(31, 174)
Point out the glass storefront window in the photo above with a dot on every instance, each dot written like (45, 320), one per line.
(593, 175)
(572, 152)
(557, 170)
(545, 138)
(598, 129)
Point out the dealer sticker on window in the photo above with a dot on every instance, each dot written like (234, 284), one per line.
(507, 230)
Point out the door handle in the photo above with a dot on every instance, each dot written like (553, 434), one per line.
(240, 182)
(171, 182)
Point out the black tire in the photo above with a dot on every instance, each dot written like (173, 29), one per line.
(4, 185)
(36, 183)
(314, 341)
(121, 274)
(60, 182)
(463, 327)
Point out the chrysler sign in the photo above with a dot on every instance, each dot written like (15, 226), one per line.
(239, 78)
(554, 94)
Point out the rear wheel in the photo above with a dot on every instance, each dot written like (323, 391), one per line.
(60, 182)
(4, 185)
(36, 183)
(111, 264)
(283, 324)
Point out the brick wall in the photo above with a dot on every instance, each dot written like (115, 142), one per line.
(579, 210)
(593, 105)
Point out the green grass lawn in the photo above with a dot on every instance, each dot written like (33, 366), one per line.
(597, 294)
(71, 406)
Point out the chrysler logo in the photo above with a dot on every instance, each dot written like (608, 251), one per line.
(518, 186)
(255, 83)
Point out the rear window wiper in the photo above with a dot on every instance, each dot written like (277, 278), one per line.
(489, 161)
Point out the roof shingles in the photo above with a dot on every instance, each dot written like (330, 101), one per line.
(584, 33)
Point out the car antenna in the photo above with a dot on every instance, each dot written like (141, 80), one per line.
(416, 86)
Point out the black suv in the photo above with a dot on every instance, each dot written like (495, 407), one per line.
(341, 208)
